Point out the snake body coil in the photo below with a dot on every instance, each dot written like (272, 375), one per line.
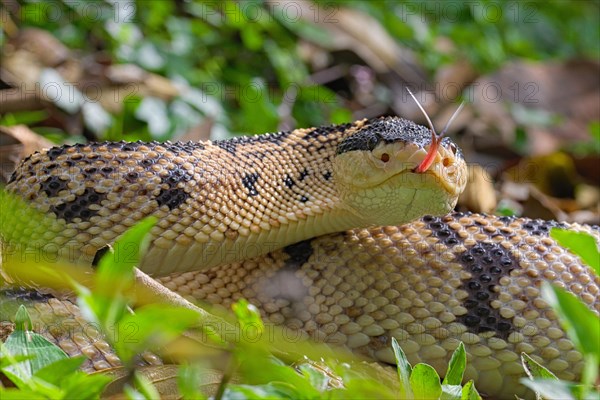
(429, 283)
(230, 200)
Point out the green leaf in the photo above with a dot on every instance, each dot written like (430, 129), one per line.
(249, 318)
(456, 366)
(152, 326)
(316, 377)
(425, 382)
(23, 320)
(451, 392)
(535, 370)
(115, 268)
(22, 342)
(580, 243)
(107, 304)
(551, 389)
(259, 392)
(58, 370)
(469, 392)
(189, 380)
(404, 370)
(589, 375)
(82, 386)
(20, 394)
(581, 324)
(145, 387)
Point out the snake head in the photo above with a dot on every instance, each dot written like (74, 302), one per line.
(391, 171)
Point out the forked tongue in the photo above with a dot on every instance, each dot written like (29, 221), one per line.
(435, 139)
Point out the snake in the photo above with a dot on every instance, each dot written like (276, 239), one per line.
(342, 233)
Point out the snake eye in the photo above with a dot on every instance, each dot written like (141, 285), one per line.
(385, 157)
(453, 148)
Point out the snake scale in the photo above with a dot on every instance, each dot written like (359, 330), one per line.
(330, 231)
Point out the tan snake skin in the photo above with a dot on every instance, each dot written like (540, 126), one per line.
(430, 283)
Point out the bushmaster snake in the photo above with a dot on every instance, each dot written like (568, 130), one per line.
(278, 208)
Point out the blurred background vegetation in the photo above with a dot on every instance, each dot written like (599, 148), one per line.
(257, 66)
(194, 70)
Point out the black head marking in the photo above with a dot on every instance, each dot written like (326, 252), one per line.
(387, 130)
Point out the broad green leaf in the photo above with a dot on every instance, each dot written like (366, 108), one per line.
(82, 386)
(5, 361)
(115, 268)
(19, 394)
(589, 375)
(456, 366)
(551, 389)
(535, 370)
(249, 318)
(580, 243)
(152, 326)
(57, 371)
(190, 379)
(404, 370)
(145, 387)
(316, 377)
(451, 392)
(24, 342)
(581, 324)
(259, 392)
(425, 382)
(469, 392)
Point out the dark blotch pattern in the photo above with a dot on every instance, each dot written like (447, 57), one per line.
(249, 182)
(229, 146)
(487, 262)
(54, 152)
(303, 199)
(303, 174)
(79, 207)
(52, 185)
(298, 253)
(289, 182)
(327, 175)
(172, 198)
(540, 227)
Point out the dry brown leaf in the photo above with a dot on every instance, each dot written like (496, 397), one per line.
(17, 142)
(479, 195)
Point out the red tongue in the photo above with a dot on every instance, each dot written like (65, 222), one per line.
(430, 157)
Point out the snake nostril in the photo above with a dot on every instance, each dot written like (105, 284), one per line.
(385, 157)
(446, 162)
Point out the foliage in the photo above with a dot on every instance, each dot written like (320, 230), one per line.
(489, 32)
(241, 64)
(581, 324)
(41, 370)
